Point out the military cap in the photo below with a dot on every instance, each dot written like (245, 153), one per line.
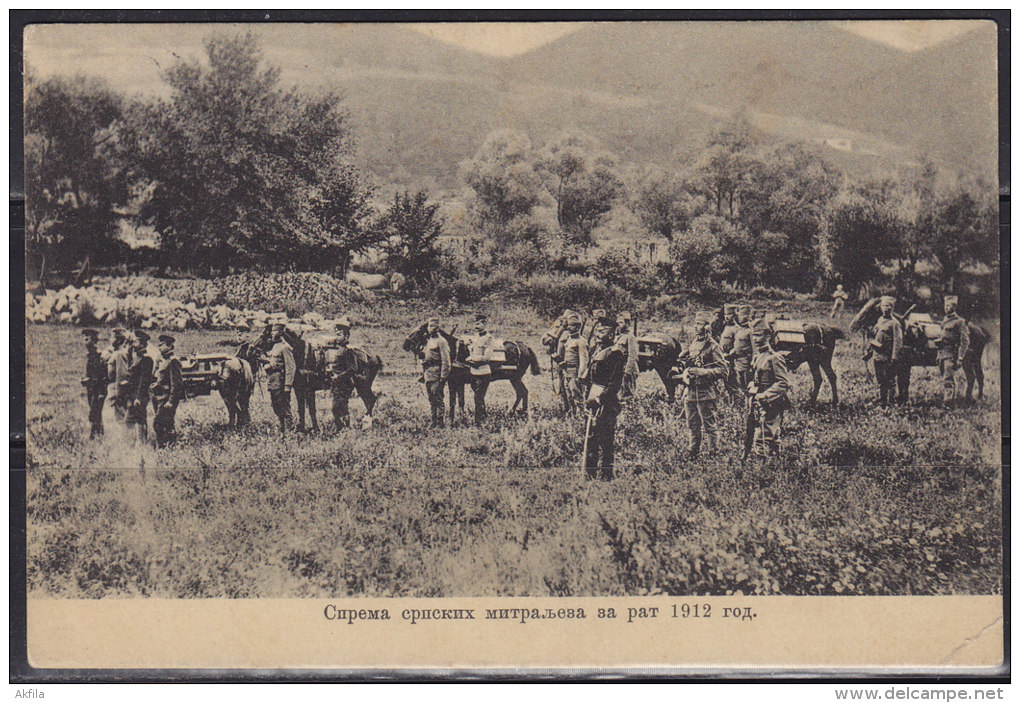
(141, 335)
(729, 308)
(744, 309)
(887, 299)
(343, 322)
(277, 326)
(599, 313)
(167, 339)
(567, 314)
(119, 332)
(480, 317)
(573, 317)
(954, 299)
(623, 317)
(90, 333)
(704, 316)
(839, 286)
(431, 320)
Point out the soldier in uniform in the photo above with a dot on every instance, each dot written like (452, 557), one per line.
(117, 364)
(886, 346)
(726, 339)
(551, 340)
(280, 370)
(136, 386)
(340, 369)
(952, 349)
(435, 369)
(606, 375)
(573, 359)
(480, 346)
(742, 350)
(839, 298)
(628, 342)
(94, 382)
(167, 393)
(705, 365)
(768, 395)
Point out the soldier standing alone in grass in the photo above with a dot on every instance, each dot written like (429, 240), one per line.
(839, 298)
(886, 346)
(768, 396)
(952, 349)
(603, 404)
(705, 366)
(280, 375)
(167, 393)
(435, 369)
(573, 356)
(628, 342)
(136, 386)
(95, 381)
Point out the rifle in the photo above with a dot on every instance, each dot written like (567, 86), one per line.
(751, 410)
(584, 450)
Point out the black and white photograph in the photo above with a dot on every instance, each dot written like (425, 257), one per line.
(513, 309)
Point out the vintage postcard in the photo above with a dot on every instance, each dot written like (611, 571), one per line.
(658, 347)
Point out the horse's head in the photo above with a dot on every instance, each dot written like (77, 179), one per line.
(416, 340)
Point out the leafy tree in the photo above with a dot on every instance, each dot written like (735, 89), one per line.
(583, 182)
(341, 223)
(720, 170)
(245, 172)
(503, 177)
(662, 203)
(76, 170)
(861, 232)
(412, 227)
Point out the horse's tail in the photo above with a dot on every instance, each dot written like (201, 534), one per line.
(532, 359)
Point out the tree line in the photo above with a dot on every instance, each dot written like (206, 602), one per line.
(234, 170)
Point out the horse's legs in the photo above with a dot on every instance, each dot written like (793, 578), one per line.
(299, 396)
(830, 375)
(816, 380)
(367, 397)
(522, 394)
(668, 383)
(979, 373)
(313, 412)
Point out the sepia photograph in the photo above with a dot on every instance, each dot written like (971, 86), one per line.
(554, 310)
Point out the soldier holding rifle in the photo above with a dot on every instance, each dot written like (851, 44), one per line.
(768, 396)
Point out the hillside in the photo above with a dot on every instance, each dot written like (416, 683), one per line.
(648, 91)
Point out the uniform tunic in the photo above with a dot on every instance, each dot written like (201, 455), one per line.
(167, 393)
(95, 382)
(772, 379)
(726, 340)
(887, 347)
(435, 372)
(480, 348)
(952, 349)
(280, 369)
(628, 342)
(606, 375)
(574, 361)
(117, 370)
(136, 390)
(340, 369)
(741, 354)
(706, 366)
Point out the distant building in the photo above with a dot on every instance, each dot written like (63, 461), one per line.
(841, 144)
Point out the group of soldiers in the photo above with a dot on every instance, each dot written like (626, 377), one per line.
(599, 372)
(890, 355)
(132, 378)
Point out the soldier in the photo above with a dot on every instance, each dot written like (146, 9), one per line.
(705, 364)
(551, 340)
(117, 363)
(628, 342)
(435, 369)
(480, 347)
(886, 346)
(136, 386)
(952, 349)
(94, 382)
(719, 321)
(839, 298)
(167, 393)
(726, 339)
(280, 370)
(742, 350)
(768, 396)
(340, 369)
(573, 357)
(603, 405)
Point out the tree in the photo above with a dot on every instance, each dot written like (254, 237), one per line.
(583, 182)
(720, 170)
(412, 227)
(662, 203)
(341, 223)
(711, 249)
(76, 170)
(503, 177)
(862, 231)
(245, 172)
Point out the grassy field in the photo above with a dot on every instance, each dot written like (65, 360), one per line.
(867, 501)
